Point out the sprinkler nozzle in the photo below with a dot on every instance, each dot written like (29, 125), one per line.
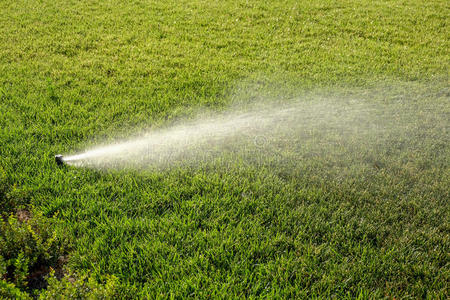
(59, 159)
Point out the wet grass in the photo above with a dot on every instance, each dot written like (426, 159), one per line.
(75, 73)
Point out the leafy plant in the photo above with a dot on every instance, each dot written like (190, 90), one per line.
(10, 291)
(75, 286)
(28, 246)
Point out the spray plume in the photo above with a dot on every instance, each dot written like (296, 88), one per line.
(347, 133)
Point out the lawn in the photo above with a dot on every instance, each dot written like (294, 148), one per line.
(363, 215)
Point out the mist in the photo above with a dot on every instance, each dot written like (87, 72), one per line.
(332, 134)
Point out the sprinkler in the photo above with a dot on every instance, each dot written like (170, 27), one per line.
(59, 159)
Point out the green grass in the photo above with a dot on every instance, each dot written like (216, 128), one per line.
(76, 73)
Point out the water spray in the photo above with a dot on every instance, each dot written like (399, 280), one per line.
(336, 130)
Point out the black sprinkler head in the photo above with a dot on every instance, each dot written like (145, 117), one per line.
(59, 160)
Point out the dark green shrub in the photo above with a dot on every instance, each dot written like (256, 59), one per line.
(79, 287)
(10, 291)
(30, 252)
(28, 247)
